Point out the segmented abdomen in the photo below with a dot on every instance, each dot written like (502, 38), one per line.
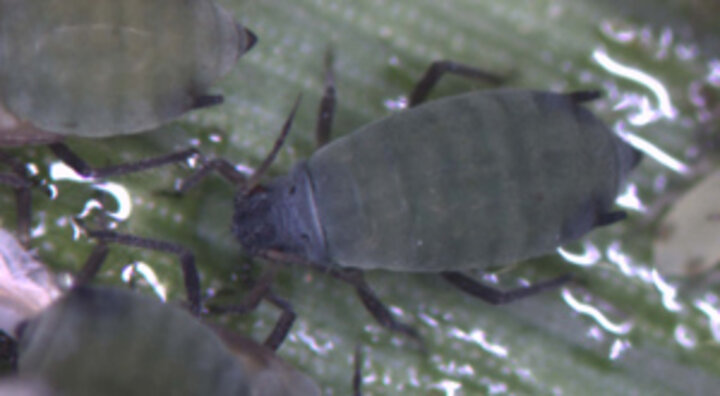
(470, 181)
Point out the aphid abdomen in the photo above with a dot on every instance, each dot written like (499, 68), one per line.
(105, 67)
(471, 181)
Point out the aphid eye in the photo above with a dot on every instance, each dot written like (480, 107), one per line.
(292, 190)
(305, 237)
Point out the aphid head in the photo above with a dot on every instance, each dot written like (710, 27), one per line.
(253, 222)
(263, 215)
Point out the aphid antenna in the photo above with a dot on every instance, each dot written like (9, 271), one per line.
(329, 61)
(438, 69)
(282, 326)
(254, 180)
(326, 110)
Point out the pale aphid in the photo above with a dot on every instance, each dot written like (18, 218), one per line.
(99, 68)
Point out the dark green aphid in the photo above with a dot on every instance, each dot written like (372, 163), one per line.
(105, 341)
(99, 68)
(473, 181)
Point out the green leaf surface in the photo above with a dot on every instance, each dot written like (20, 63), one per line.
(619, 330)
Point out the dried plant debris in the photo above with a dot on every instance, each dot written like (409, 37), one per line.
(688, 240)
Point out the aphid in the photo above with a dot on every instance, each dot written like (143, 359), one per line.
(111, 341)
(473, 181)
(16, 133)
(98, 68)
(141, 339)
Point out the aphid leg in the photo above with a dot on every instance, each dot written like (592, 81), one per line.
(22, 188)
(354, 277)
(357, 372)
(251, 299)
(261, 290)
(326, 110)
(284, 323)
(495, 296)
(17, 166)
(584, 96)
(220, 165)
(21, 183)
(187, 259)
(92, 264)
(69, 158)
(206, 101)
(437, 69)
(610, 218)
(23, 201)
(372, 303)
(637, 157)
(149, 163)
(84, 169)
